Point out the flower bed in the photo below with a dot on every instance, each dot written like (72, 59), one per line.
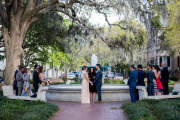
(153, 109)
(113, 81)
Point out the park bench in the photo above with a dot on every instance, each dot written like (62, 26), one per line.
(143, 93)
(8, 92)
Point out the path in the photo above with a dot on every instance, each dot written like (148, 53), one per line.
(78, 111)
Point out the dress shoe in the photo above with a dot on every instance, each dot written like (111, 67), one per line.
(34, 96)
(99, 102)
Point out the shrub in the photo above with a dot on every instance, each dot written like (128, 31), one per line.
(107, 80)
(26, 110)
(74, 82)
(171, 89)
(31, 81)
(1, 93)
(172, 82)
(138, 111)
(80, 80)
(65, 79)
(174, 78)
(117, 81)
(122, 82)
(33, 90)
(153, 109)
(76, 79)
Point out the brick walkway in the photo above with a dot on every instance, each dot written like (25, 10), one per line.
(78, 111)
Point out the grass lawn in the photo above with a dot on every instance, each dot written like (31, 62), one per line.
(25, 110)
(153, 110)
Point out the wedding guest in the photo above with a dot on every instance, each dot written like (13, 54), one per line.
(92, 88)
(150, 81)
(141, 76)
(161, 90)
(19, 78)
(158, 82)
(40, 73)
(155, 85)
(132, 83)
(36, 80)
(165, 79)
(15, 82)
(140, 81)
(26, 86)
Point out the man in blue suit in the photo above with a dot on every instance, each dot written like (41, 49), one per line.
(132, 84)
(150, 80)
(98, 82)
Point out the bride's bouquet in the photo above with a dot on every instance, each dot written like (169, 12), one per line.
(48, 82)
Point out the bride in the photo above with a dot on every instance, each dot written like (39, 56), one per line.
(85, 94)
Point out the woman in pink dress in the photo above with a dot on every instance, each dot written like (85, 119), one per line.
(158, 82)
(85, 94)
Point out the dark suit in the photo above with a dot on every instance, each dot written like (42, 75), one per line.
(164, 80)
(140, 82)
(15, 82)
(98, 83)
(132, 85)
(141, 76)
(36, 80)
(150, 87)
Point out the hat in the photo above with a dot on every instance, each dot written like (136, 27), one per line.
(139, 66)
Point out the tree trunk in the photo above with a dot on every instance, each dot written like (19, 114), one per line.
(66, 72)
(57, 74)
(14, 52)
(53, 65)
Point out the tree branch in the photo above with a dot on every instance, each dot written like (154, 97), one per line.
(11, 3)
(2, 51)
(3, 16)
(10, 13)
(19, 10)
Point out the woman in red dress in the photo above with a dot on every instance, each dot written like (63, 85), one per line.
(158, 82)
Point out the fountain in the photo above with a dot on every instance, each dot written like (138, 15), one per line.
(94, 60)
(72, 92)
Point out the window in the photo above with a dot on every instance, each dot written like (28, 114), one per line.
(168, 60)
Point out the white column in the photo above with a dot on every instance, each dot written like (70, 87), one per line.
(164, 59)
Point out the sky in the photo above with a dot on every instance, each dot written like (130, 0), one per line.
(97, 18)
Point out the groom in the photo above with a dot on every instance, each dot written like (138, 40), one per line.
(98, 82)
(36, 80)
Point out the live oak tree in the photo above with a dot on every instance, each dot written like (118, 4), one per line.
(171, 35)
(18, 15)
(41, 35)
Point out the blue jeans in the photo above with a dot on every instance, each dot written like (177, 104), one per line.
(98, 88)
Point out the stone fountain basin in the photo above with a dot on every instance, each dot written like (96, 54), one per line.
(72, 92)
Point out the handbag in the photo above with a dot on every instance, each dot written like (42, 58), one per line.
(175, 93)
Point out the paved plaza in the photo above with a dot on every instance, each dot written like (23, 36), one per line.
(78, 111)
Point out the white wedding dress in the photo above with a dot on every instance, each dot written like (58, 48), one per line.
(85, 94)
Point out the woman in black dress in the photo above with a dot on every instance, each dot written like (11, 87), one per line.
(92, 88)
